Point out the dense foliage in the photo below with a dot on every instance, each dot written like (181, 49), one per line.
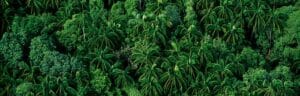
(150, 47)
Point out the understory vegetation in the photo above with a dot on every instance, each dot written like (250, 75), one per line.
(150, 48)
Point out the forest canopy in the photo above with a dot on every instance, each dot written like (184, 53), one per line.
(150, 47)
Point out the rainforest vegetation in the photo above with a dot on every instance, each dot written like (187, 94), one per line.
(150, 48)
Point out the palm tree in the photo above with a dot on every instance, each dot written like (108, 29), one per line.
(211, 22)
(223, 11)
(204, 51)
(149, 80)
(51, 3)
(122, 78)
(200, 85)
(108, 36)
(188, 61)
(157, 32)
(257, 17)
(173, 79)
(67, 10)
(221, 69)
(204, 4)
(233, 34)
(149, 71)
(151, 87)
(144, 53)
(268, 91)
(238, 68)
(209, 16)
(276, 21)
(4, 4)
(34, 5)
(101, 58)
